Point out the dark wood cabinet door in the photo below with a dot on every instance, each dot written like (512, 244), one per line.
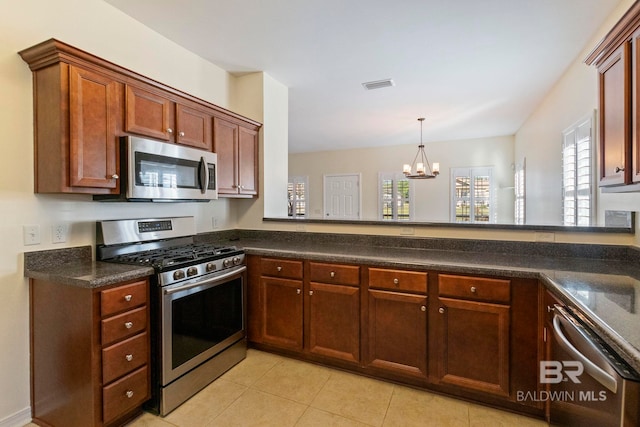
(334, 321)
(281, 312)
(225, 145)
(615, 118)
(398, 332)
(95, 105)
(473, 345)
(193, 127)
(248, 161)
(148, 114)
(635, 110)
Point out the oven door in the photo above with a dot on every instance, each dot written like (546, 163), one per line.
(161, 171)
(201, 318)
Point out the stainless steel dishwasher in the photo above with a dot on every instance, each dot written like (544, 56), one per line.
(590, 385)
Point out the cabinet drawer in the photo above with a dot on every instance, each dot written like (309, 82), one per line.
(125, 394)
(123, 298)
(412, 281)
(124, 357)
(124, 325)
(334, 273)
(281, 268)
(474, 288)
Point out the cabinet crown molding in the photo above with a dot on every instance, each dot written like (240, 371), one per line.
(620, 32)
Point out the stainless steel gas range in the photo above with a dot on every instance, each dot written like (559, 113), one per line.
(197, 304)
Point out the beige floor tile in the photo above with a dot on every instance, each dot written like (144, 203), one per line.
(207, 404)
(410, 407)
(294, 380)
(313, 417)
(480, 416)
(355, 397)
(149, 420)
(255, 408)
(256, 364)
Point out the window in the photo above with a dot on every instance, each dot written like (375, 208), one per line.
(472, 198)
(577, 172)
(519, 189)
(297, 196)
(395, 200)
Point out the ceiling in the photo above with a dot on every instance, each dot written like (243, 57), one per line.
(472, 68)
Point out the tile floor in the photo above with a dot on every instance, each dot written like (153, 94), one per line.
(269, 390)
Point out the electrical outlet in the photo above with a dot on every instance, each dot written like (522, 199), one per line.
(542, 236)
(59, 233)
(31, 234)
(407, 231)
(214, 222)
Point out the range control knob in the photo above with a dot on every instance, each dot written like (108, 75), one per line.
(192, 271)
(227, 262)
(210, 267)
(178, 274)
(236, 260)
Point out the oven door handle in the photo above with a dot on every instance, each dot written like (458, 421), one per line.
(220, 278)
(596, 372)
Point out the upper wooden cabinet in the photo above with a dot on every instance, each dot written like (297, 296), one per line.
(83, 104)
(157, 116)
(617, 60)
(237, 148)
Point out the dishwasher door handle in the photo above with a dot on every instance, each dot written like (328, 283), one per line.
(596, 372)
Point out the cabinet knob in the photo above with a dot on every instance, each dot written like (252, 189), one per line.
(128, 325)
(441, 310)
(169, 130)
(115, 176)
(423, 308)
(396, 282)
(619, 169)
(298, 291)
(332, 274)
(127, 298)
(129, 394)
(279, 268)
(181, 133)
(242, 187)
(129, 357)
(473, 289)
(310, 292)
(550, 309)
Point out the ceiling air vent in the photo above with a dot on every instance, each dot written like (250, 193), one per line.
(378, 84)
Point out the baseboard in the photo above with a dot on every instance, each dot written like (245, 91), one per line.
(19, 419)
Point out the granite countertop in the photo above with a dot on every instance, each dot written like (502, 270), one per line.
(75, 267)
(605, 291)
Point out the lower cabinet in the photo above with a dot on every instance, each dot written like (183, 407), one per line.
(90, 353)
(397, 323)
(472, 337)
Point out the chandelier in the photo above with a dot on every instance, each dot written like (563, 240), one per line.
(420, 163)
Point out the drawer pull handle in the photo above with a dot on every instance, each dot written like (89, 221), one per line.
(332, 274)
(279, 268)
(423, 308)
(129, 357)
(441, 310)
(129, 394)
(396, 282)
(473, 289)
(619, 169)
(127, 298)
(128, 325)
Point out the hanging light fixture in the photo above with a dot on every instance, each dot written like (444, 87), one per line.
(420, 163)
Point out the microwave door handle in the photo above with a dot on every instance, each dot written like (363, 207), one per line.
(590, 368)
(204, 175)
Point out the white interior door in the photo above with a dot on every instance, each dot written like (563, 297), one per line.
(342, 196)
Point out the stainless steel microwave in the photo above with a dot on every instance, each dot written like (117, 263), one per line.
(156, 171)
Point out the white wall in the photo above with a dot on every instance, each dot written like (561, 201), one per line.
(431, 197)
(96, 27)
